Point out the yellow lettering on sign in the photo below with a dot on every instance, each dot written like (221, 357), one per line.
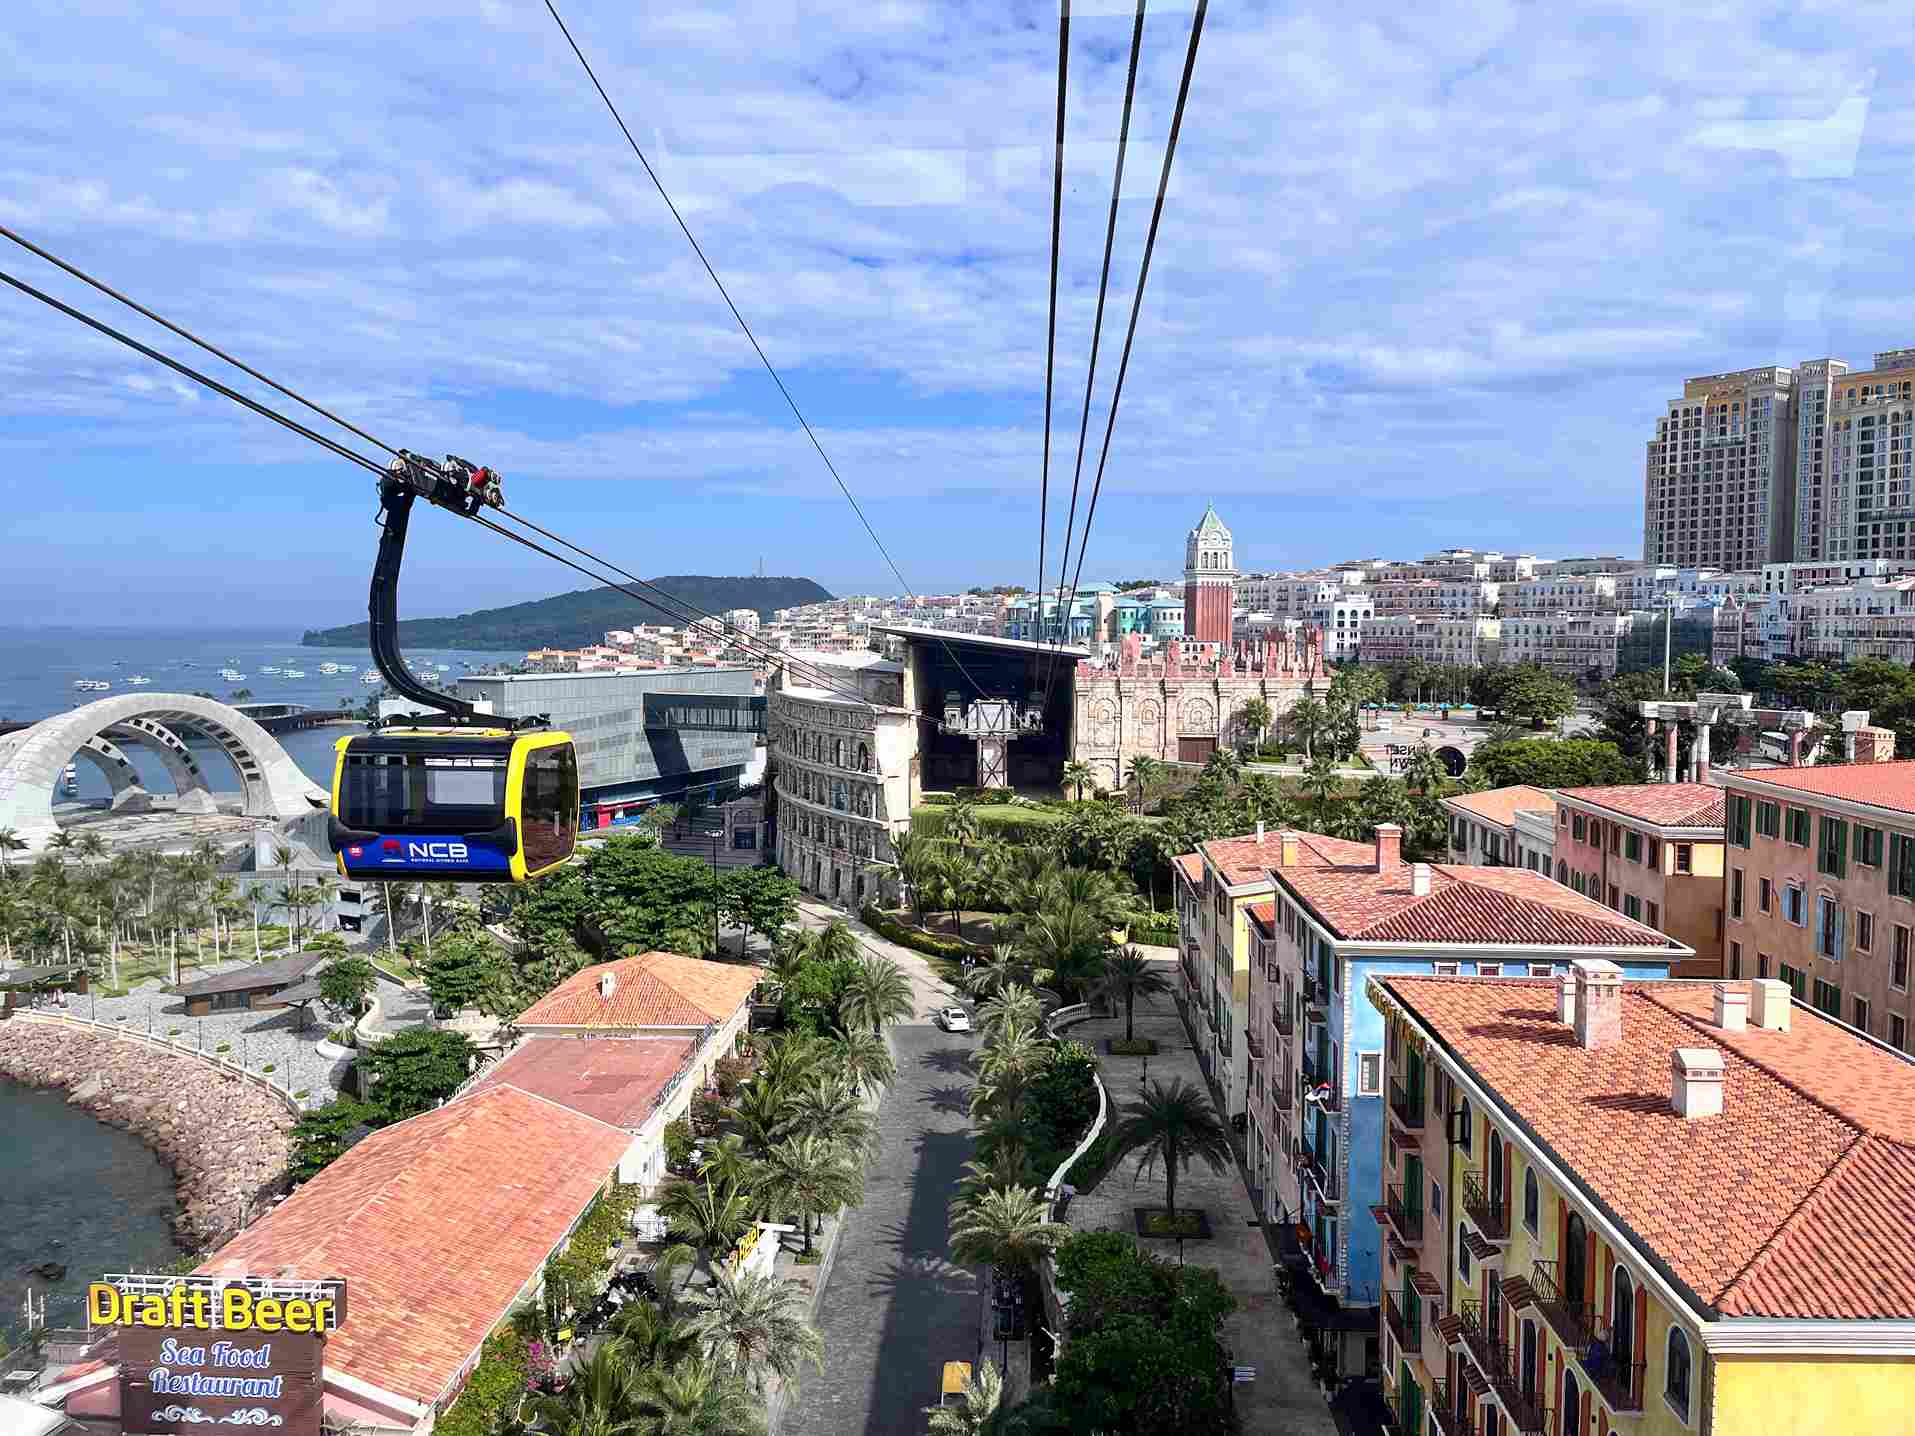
(267, 1314)
(151, 1311)
(102, 1304)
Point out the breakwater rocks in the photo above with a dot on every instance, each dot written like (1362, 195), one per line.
(225, 1139)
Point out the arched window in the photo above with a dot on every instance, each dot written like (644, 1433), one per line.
(1462, 1252)
(1677, 1386)
(1622, 1324)
(1575, 1261)
(1532, 1201)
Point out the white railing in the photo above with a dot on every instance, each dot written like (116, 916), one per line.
(114, 1029)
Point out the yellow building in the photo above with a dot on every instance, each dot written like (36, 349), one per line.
(1616, 1207)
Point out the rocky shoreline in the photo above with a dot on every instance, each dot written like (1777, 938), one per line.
(226, 1140)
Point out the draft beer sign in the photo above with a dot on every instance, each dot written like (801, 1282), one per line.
(199, 1352)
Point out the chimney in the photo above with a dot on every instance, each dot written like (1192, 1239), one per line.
(607, 983)
(1598, 1002)
(1259, 832)
(1769, 1005)
(1287, 849)
(1566, 999)
(1389, 847)
(1695, 1082)
(1732, 1006)
(1873, 745)
(1419, 879)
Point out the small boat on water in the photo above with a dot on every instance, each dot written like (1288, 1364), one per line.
(91, 685)
(139, 680)
(269, 669)
(329, 668)
(231, 675)
(293, 673)
(369, 678)
(70, 779)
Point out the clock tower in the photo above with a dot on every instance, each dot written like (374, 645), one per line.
(1209, 581)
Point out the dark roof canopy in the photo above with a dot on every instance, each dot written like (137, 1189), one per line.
(257, 977)
(19, 977)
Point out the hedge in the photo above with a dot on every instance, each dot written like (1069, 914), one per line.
(949, 948)
(494, 1390)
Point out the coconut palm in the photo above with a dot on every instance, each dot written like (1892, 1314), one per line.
(1143, 772)
(643, 1333)
(877, 992)
(10, 843)
(727, 1162)
(693, 1397)
(1424, 770)
(1007, 1227)
(865, 1062)
(1173, 1124)
(1076, 774)
(830, 1108)
(960, 821)
(712, 1216)
(752, 1324)
(976, 1408)
(1012, 1006)
(1004, 967)
(1309, 720)
(597, 1400)
(835, 942)
(812, 1177)
(1126, 976)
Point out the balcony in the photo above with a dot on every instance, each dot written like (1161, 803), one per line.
(1499, 1363)
(1485, 1211)
(1444, 1409)
(1312, 1074)
(1406, 1218)
(1280, 1094)
(1409, 1339)
(1315, 996)
(1281, 1019)
(1575, 1322)
(1405, 1106)
(1320, 1176)
(1254, 1043)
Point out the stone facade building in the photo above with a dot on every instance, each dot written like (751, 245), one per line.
(1180, 708)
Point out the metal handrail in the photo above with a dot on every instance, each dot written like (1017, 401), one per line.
(1501, 1363)
(1407, 1219)
(1575, 1320)
(1400, 1327)
(1484, 1210)
(1409, 1113)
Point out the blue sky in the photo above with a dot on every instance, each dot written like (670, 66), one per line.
(1424, 277)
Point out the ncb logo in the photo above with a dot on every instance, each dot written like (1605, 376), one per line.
(441, 852)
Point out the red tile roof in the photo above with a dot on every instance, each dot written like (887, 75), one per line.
(1264, 915)
(1501, 805)
(1248, 859)
(615, 1079)
(1191, 866)
(1880, 785)
(1798, 1201)
(1478, 905)
(654, 989)
(1669, 805)
(436, 1224)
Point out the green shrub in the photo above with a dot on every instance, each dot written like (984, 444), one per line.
(678, 1143)
(172, 1032)
(267, 1068)
(493, 1391)
(950, 948)
(223, 1048)
(302, 1094)
(1134, 1047)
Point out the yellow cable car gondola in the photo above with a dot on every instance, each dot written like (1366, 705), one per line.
(463, 800)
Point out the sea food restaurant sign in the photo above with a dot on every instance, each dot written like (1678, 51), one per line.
(201, 1351)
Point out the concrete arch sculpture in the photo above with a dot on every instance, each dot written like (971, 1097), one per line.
(182, 768)
(122, 778)
(273, 786)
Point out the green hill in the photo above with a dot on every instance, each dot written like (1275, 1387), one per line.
(572, 620)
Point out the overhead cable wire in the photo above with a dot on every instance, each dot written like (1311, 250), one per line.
(817, 677)
(190, 337)
(1097, 334)
(1143, 277)
(757, 348)
(205, 380)
(1050, 342)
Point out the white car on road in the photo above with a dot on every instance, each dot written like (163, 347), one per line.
(952, 1019)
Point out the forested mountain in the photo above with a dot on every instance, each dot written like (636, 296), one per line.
(572, 620)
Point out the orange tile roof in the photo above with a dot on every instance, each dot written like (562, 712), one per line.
(1798, 1201)
(1880, 785)
(1248, 860)
(1191, 865)
(1501, 805)
(1264, 915)
(1470, 905)
(436, 1224)
(1670, 805)
(615, 1079)
(654, 989)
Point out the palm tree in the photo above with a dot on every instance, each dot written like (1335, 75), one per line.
(828, 1107)
(1424, 770)
(1076, 774)
(812, 1177)
(1128, 975)
(597, 1400)
(714, 1217)
(1063, 943)
(10, 843)
(1007, 1227)
(1000, 970)
(865, 1061)
(752, 1324)
(1143, 772)
(643, 1333)
(727, 1163)
(761, 1110)
(1255, 716)
(1309, 719)
(877, 992)
(913, 852)
(1007, 1068)
(1173, 1124)
(1320, 779)
(283, 858)
(787, 1060)
(835, 942)
(1223, 766)
(1013, 1006)
(976, 1408)
(694, 1398)
(960, 821)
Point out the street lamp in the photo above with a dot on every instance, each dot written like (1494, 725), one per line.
(715, 834)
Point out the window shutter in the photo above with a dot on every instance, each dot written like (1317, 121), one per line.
(1818, 927)
(1841, 931)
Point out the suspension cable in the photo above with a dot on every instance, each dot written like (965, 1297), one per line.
(1050, 343)
(1097, 332)
(757, 348)
(1143, 277)
(198, 378)
(190, 337)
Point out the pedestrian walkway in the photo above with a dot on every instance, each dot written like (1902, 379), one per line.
(1261, 1333)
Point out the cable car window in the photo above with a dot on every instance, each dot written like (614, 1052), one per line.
(548, 813)
(395, 792)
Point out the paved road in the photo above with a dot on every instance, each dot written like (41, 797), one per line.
(895, 1308)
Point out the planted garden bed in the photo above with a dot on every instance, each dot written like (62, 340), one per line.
(1191, 1224)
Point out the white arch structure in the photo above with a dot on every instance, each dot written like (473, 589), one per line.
(32, 761)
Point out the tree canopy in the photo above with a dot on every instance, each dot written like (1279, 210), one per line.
(1552, 763)
(415, 1069)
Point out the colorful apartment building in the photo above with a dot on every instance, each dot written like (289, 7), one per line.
(1282, 932)
(1614, 1208)
(1652, 851)
(1483, 827)
(1820, 887)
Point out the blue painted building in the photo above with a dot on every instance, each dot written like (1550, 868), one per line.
(1338, 914)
